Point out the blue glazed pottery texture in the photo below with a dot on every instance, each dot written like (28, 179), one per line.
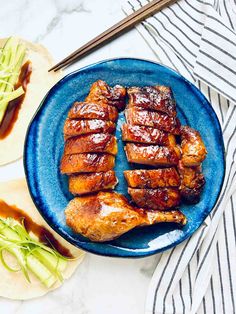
(44, 148)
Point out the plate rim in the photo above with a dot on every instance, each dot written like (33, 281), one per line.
(122, 253)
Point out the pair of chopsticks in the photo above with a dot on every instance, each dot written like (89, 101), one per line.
(124, 25)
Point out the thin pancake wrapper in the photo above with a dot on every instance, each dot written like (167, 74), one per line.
(11, 147)
(13, 285)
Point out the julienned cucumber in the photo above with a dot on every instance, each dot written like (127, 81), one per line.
(44, 262)
(11, 59)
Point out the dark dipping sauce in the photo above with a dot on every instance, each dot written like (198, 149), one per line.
(14, 106)
(41, 232)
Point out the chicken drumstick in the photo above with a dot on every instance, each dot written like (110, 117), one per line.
(107, 215)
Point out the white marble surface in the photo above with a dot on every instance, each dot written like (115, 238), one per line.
(100, 285)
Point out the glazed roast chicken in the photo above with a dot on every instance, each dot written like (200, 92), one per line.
(157, 98)
(74, 127)
(101, 93)
(152, 178)
(97, 143)
(84, 183)
(107, 215)
(153, 155)
(144, 134)
(167, 156)
(154, 119)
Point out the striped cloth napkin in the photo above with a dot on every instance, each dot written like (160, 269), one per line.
(198, 39)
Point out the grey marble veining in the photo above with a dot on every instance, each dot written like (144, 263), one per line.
(62, 8)
(100, 285)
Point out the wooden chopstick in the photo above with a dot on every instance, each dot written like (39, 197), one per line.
(114, 31)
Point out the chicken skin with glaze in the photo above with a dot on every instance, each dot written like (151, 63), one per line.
(150, 132)
(90, 146)
(87, 162)
(81, 127)
(158, 120)
(152, 179)
(84, 183)
(87, 110)
(192, 182)
(160, 198)
(157, 98)
(91, 143)
(146, 135)
(193, 148)
(100, 92)
(107, 215)
(152, 155)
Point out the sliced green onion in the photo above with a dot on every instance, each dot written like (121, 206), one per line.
(15, 251)
(44, 262)
(12, 95)
(41, 271)
(7, 83)
(54, 262)
(11, 59)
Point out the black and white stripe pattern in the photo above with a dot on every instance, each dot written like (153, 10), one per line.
(198, 39)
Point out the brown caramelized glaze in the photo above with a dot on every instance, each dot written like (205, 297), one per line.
(153, 119)
(14, 106)
(84, 110)
(91, 143)
(107, 215)
(192, 182)
(152, 155)
(87, 162)
(152, 98)
(44, 235)
(193, 148)
(92, 182)
(80, 127)
(165, 177)
(150, 132)
(147, 135)
(100, 92)
(90, 147)
(160, 198)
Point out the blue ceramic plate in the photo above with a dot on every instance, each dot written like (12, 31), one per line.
(44, 147)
